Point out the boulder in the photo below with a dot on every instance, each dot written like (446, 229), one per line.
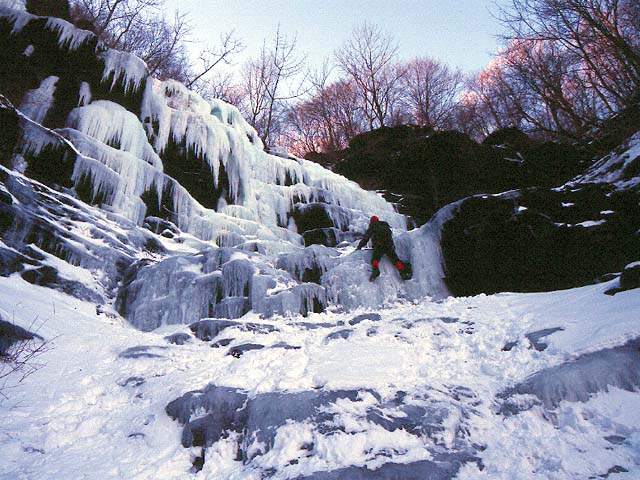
(179, 338)
(10, 334)
(630, 276)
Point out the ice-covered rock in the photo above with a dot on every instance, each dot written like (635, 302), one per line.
(577, 380)
(427, 433)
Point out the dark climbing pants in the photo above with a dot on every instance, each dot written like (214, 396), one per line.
(389, 251)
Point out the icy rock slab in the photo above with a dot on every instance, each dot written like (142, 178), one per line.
(253, 422)
(47, 276)
(615, 439)
(256, 419)
(285, 346)
(340, 334)
(133, 381)
(577, 380)
(443, 467)
(449, 319)
(141, 351)
(535, 339)
(240, 350)
(179, 338)
(313, 326)
(374, 317)
(223, 342)
(612, 470)
(208, 329)
(12, 261)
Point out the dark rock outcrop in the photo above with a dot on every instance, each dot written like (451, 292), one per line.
(426, 170)
(540, 240)
(10, 334)
(208, 329)
(179, 338)
(630, 277)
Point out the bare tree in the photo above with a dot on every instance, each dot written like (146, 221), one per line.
(112, 20)
(602, 35)
(329, 118)
(536, 86)
(489, 101)
(430, 91)
(139, 27)
(553, 95)
(212, 57)
(368, 58)
(269, 81)
(161, 45)
(471, 116)
(223, 86)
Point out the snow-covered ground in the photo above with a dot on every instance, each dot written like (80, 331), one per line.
(96, 409)
(511, 386)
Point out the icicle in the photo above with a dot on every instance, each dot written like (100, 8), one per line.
(236, 278)
(69, 36)
(314, 257)
(126, 65)
(16, 4)
(104, 181)
(239, 211)
(35, 138)
(182, 115)
(36, 103)
(112, 124)
(116, 175)
(18, 17)
(84, 94)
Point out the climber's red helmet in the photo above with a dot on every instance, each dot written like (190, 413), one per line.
(374, 219)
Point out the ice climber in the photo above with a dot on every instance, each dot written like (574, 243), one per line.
(379, 233)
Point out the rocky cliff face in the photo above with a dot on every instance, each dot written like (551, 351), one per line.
(426, 170)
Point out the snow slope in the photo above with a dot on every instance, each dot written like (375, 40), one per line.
(96, 408)
(619, 168)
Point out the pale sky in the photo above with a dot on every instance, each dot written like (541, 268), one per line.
(461, 33)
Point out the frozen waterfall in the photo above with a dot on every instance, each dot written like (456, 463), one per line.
(273, 234)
